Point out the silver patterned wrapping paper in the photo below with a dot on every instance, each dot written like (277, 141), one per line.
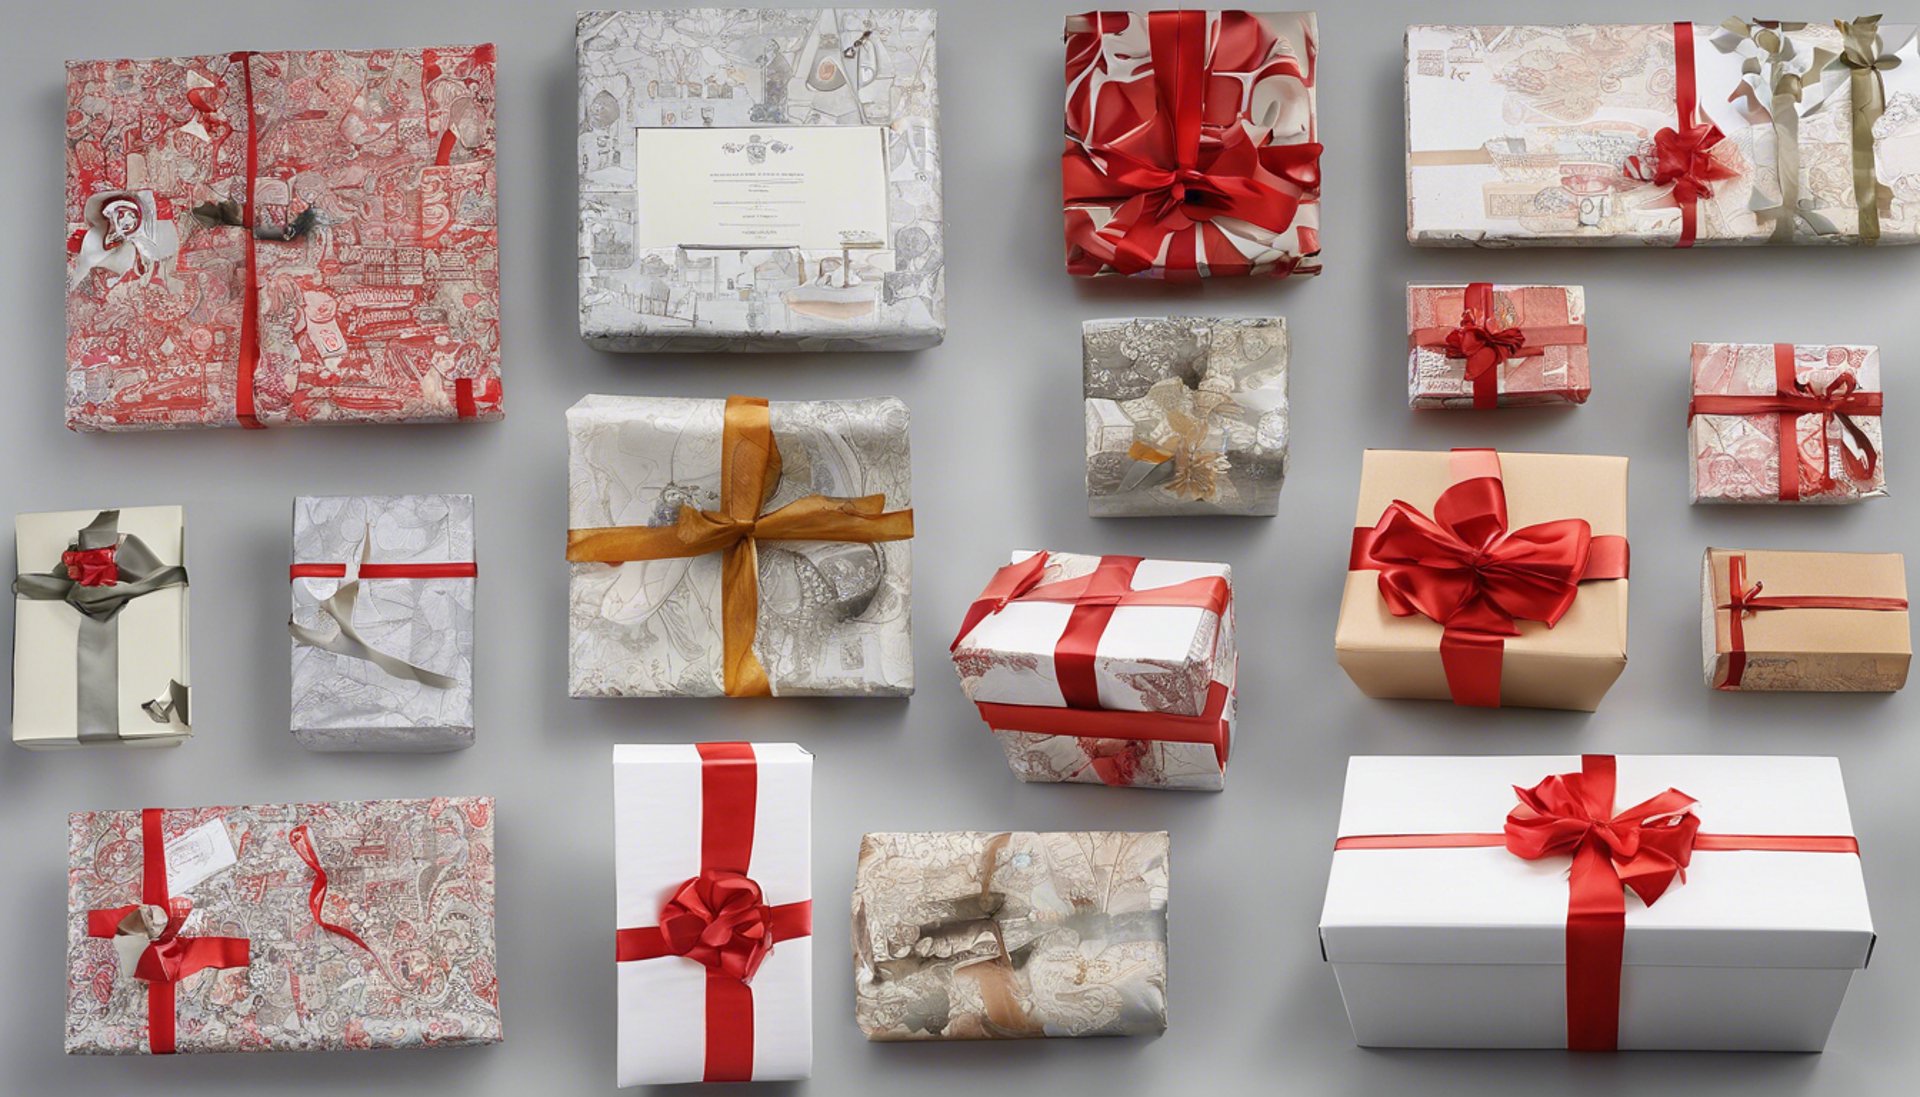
(834, 617)
(1186, 415)
(413, 879)
(346, 703)
(974, 935)
(767, 70)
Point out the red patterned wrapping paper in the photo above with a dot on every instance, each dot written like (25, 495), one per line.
(352, 276)
(1556, 374)
(1737, 458)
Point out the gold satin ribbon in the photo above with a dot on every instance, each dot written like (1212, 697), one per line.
(749, 470)
(1862, 56)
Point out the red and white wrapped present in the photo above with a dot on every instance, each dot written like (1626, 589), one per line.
(1786, 423)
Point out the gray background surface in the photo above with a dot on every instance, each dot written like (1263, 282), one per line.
(997, 436)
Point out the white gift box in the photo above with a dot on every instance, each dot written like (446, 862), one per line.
(148, 637)
(658, 833)
(1466, 945)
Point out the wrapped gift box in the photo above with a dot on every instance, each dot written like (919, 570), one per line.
(1105, 669)
(1192, 144)
(1823, 400)
(1450, 918)
(658, 567)
(1661, 134)
(353, 277)
(713, 881)
(973, 935)
(1825, 621)
(100, 628)
(301, 927)
(383, 622)
(1484, 345)
(1539, 619)
(1186, 415)
(690, 118)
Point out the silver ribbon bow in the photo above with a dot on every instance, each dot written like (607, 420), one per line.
(346, 641)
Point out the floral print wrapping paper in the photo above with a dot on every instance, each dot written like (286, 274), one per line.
(384, 309)
(1736, 458)
(412, 878)
(1185, 415)
(1557, 375)
(834, 616)
(973, 935)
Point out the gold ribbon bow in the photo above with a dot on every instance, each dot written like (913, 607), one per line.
(749, 471)
(1862, 57)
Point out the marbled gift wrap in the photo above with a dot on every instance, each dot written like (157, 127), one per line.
(1186, 415)
(344, 703)
(1557, 375)
(766, 68)
(386, 310)
(1736, 458)
(973, 935)
(412, 878)
(834, 616)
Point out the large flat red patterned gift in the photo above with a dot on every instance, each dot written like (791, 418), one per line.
(272, 239)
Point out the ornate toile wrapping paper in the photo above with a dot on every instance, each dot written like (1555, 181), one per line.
(1557, 375)
(1186, 415)
(386, 310)
(1736, 458)
(834, 616)
(1520, 135)
(972, 935)
(343, 703)
(768, 69)
(412, 878)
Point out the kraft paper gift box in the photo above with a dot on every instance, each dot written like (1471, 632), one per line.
(665, 600)
(713, 881)
(100, 628)
(1749, 398)
(977, 935)
(760, 180)
(1539, 619)
(282, 238)
(1662, 134)
(382, 622)
(1824, 621)
(1487, 345)
(1113, 670)
(1186, 415)
(1192, 144)
(1472, 903)
(282, 927)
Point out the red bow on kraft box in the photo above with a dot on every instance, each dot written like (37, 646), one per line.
(1191, 144)
(1484, 346)
(1836, 403)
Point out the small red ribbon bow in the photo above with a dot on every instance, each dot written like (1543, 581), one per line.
(720, 920)
(1684, 158)
(92, 567)
(1483, 347)
(1648, 846)
(165, 958)
(1836, 403)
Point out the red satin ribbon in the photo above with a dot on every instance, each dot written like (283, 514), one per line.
(717, 919)
(1209, 727)
(1465, 569)
(1683, 155)
(1743, 600)
(418, 570)
(249, 320)
(170, 957)
(1485, 347)
(1792, 398)
(302, 841)
(1645, 848)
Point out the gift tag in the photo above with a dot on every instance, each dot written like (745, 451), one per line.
(198, 854)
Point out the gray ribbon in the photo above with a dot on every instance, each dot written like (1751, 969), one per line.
(97, 685)
(347, 642)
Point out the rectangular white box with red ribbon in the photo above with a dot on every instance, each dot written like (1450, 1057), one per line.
(1595, 902)
(713, 882)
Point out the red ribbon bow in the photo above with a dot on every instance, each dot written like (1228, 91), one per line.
(1485, 347)
(719, 920)
(1744, 601)
(1838, 403)
(1683, 154)
(302, 841)
(92, 567)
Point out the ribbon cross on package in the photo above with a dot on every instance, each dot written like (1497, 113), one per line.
(1482, 345)
(1819, 621)
(1786, 423)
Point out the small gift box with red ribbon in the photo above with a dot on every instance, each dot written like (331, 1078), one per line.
(713, 887)
(1487, 578)
(1192, 145)
(382, 622)
(1832, 622)
(1595, 903)
(1786, 423)
(282, 927)
(1110, 670)
(1482, 345)
(984, 935)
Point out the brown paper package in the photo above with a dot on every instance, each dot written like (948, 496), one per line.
(1569, 666)
(1823, 650)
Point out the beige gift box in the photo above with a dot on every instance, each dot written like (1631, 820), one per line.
(1833, 649)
